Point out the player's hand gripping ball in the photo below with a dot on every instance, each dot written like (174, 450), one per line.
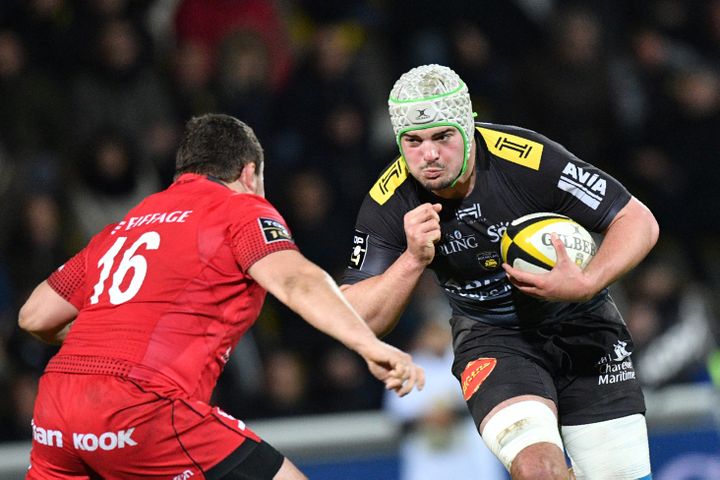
(526, 243)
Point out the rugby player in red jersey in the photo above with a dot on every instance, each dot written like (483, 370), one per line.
(149, 311)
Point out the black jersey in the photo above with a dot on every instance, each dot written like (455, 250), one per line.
(518, 171)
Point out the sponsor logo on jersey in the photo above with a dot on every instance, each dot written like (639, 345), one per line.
(489, 260)
(496, 231)
(617, 366)
(475, 373)
(177, 216)
(359, 249)
(513, 148)
(46, 436)
(588, 187)
(273, 230)
(469, 214)
(457, 242)
(478, 289)
(389, 181)
(105, 441)
(184, 475)
(118, 227)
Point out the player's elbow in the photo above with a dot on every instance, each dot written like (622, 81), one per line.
(643, 222)
(654, 232)
(42, 311)
(381, 329)
(29, 318)
(652, 229)
(380, 321)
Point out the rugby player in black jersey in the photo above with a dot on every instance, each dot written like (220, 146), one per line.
(544, 360)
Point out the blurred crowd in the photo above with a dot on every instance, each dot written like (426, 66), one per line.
(95, 93)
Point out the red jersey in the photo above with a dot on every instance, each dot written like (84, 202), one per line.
(164, 295)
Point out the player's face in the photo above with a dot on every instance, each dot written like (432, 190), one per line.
(434, 156)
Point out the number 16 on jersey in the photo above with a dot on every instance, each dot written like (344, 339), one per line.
(130, 260)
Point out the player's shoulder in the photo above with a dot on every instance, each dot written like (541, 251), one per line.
(109, 230)
(393, 183)
(249, 204)
(517, 145)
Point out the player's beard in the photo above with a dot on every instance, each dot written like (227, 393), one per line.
(442, 182)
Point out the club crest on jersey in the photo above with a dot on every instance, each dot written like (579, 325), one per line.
(475, 373)
(489, 260)
(273, 231)
(360, 243)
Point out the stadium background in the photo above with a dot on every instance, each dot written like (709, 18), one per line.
(94, 94)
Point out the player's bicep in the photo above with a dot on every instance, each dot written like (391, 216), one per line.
(301, 285)
(277, 272)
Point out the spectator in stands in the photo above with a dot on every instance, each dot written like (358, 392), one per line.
(32, 110)
(568, 94)
(209, 22)
(439, 439)
(121, 92)
(286, 387)
(672, 319)
(110, 179)
(244, 80)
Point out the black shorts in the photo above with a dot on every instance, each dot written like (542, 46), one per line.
(251, 461)
(582, 363)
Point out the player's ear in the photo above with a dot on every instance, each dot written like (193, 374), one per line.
(248, 178)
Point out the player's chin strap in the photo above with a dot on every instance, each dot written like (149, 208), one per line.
(462, 171)
(466, 156)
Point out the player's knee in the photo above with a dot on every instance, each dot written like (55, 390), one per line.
(519, 426)
(540, 461)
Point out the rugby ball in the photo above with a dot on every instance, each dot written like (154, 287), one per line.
(526, 243)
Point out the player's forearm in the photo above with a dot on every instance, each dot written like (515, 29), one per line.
(380, 300)
(315, 297)
(53, 337)
(311, 293)
(627, 241)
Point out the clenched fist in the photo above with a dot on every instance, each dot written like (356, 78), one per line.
(422, 230)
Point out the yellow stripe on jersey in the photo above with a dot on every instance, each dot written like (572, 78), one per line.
(390, 180)
(513, 148)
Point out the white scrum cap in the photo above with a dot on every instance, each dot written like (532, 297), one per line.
(430, 96)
